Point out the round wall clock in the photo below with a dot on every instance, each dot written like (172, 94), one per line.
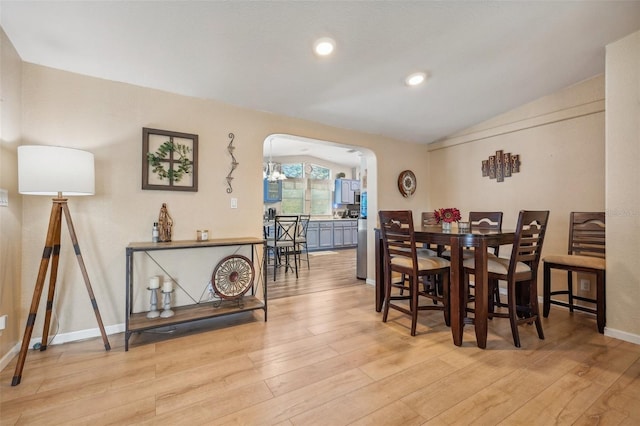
(308, 168)
(232, 277)
(407, 183)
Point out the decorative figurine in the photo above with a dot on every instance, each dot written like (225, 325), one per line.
(165, 223)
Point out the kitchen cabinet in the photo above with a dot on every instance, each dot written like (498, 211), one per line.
(272, 191)
(326, 235)
(345, 190)
(313, 236)
(345, 233)
(338, 234)
(352, 239)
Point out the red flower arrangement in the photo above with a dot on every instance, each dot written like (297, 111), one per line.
(447, 215)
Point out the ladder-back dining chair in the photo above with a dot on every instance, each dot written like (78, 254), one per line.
(481, 220)
(301, 238)
(520, 271)
(586, 255)
(400, 256)
(283, 243)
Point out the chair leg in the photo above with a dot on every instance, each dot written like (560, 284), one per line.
(513, 314)
(275, 262)
(306, 250)
(413, 289)
(445, 297)
(546, 291)
(535, 308)
(387, 296)
(570, 290)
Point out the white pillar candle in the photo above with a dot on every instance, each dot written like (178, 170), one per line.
(167, 286)
(154, 282)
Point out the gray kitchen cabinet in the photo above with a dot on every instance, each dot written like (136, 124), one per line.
(351, 233)
(326, 234)
(338, 234)
(345, 233)
(345, 190)
(313, 236)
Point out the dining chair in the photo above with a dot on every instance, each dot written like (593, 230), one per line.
(587, 256)
(283, 243)
(486, 221)
(481, 220)
(428, 219)
(520, 271)
(400, 254)
(301, 238)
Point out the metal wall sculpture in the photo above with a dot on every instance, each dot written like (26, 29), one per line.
(501, 165)
(234, 163)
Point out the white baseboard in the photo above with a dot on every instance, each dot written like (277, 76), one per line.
(622, 335)
(6, 359)
(73, 336)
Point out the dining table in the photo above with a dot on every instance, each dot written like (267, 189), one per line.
(480, 239)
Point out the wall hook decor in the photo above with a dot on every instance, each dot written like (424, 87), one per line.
(234, 163)
(501, 165)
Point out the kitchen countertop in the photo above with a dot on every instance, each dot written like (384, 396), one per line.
(326, 219)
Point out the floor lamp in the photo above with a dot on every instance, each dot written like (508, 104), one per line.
(58, 172)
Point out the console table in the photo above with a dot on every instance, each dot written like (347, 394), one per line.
(136, 322)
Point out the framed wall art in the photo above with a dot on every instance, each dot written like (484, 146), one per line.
(169, 160)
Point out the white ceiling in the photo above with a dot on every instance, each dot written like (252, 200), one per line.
(483, 58)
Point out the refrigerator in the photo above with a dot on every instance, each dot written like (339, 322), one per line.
(361, 250)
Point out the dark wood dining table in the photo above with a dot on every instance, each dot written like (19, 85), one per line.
(480, 240)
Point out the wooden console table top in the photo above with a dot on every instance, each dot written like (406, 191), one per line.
(215, 242)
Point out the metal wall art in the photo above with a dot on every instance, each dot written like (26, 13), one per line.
(169, 160)
(501, 165)
(234, 163)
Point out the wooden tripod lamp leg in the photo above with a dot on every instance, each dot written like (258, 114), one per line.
(54, 222)
(83, 269)
(53, 275)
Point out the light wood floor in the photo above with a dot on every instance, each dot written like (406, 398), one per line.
(340, 263)
(326, 358)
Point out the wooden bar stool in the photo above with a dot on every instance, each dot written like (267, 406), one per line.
(586, 255)
(400, 255)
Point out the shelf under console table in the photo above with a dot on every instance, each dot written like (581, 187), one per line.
(137, 322)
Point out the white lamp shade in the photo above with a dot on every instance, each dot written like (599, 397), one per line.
(49, 170)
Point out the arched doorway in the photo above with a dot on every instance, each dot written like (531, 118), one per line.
(345, 161)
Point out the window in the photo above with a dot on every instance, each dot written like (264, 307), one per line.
(318, 172)
(307, 190)
(293, 196)
(292, 170)
(320, 197)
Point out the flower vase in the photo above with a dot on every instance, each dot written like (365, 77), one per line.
(446, 226)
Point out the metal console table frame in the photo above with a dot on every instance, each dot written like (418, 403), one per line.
(138, 322)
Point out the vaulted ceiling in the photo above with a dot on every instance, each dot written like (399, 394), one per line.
(481, 58)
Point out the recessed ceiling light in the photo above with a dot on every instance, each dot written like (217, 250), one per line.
(324, 46)
(415, 79)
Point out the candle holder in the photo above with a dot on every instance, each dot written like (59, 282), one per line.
(167, 312)
(153, 308)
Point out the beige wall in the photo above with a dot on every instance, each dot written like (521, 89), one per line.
(106, 118)
(561, 142)
(623, 183)
(10, 217)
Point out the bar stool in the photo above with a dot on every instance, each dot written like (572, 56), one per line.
(586, 255)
